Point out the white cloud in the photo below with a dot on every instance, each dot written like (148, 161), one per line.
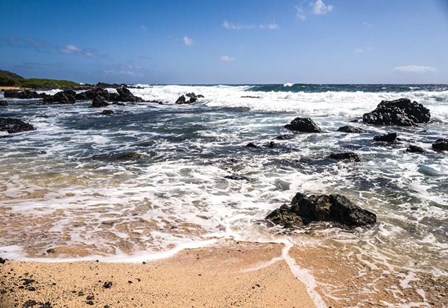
(418, 69)
(312, 7)
(231, 26)
(226, 59)
(320, 8)
(72, 49)
(143, 28)
(363, 49)
(188, 41)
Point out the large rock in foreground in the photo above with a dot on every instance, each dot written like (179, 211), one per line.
(304, 125)
(401, 112)
(14, 125)
(329, 208)
(63, 97)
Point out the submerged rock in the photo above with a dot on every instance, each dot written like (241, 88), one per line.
(119, 156)
(348, 156)
(14, 125)
(391, 137)
(401, 112)
(251, 145)
(326, 208)
(284, 137)
(350, 129)
(440, 145)
(3, 103)
(414, 149)
(107, 112)
(304, 125)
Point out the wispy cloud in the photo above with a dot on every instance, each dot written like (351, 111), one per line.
(233, 26)
(143, 28)
(416, 69)
(188, 41)
(73, 49)
(312, 7)
(226, 58)
(363, 49)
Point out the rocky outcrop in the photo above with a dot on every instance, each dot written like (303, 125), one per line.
(440, 145)
(350, 129)
(391, 137)
(14, 125)
(414, 149)
(22, 94)
(63, 97)
(124, 95)
(347, 156)
(336, 209)
(94, 93)
(304, 125)
(99, 102)
(400, 112)
(192, 98)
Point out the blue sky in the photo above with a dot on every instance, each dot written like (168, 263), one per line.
(233, 41)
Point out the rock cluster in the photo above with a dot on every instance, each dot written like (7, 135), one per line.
(14, 125)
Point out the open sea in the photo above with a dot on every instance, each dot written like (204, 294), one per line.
(153, 179)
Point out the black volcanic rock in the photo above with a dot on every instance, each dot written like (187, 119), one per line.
(94, 93)
(350, 129)
(124, 95)
(192, 98)
(107, 112)
(348, 156)
(63, 97)
(326, 208)
(391, 137)
(99, 102)
(251, 145)
(22, 94)
(414, 149)
(3, 103)
(304, 125)
(400, 112)
(14, 125)
(440, 145)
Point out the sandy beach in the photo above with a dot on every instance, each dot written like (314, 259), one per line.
(227, 275)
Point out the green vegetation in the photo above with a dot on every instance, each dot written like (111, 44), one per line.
(9, 79)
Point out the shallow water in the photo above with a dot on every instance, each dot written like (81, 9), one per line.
(152, 177)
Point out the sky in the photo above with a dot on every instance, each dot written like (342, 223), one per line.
(226, 42)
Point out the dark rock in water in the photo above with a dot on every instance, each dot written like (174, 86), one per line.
(251, 145)
(328, 208)
(124, 95)
(192, 98)
(63, 97)
(119, 156)
(283, 216)
(237, 177)
(93, 93)
(350, 156)
(350, 129)
(3, 103)
(14, 125)
(414, 149)
(305, 125)
(401, 112)
(391, 137)
(99, 102)
(22, 94)
(181, 100)
(440, 145)
(107, 112)
(271, 145)
(284, 137)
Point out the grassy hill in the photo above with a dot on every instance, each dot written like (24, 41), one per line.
(10, 79)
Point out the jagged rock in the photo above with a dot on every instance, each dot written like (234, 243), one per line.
(14, 125)
(440, 145)
(124, 95)
(350, 129)
(107, 112)
(3, 103)
(93, 93)
(22, 94)
(192, 98)
(63, 97)
(327, 208)
(349, 156)
(181, 100)
(99, 102)
(414, 149)
(401, 112)
(305, 125)
(391, 137)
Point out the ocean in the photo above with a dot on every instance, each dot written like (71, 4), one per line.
(153, 179)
